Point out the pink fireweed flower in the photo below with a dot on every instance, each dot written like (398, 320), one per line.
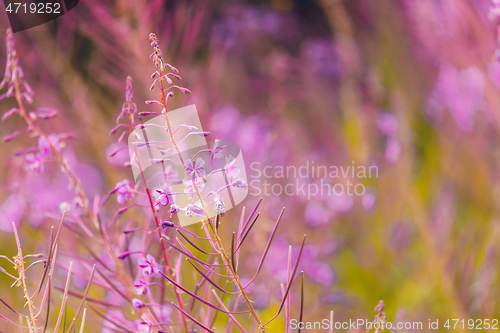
(162, 195)
(34, 162)
(174, 209)
(219, 205)
(170, 174)
(217, 151)
(148, 265)
(137, 303)
(146, 325)
(141, 287)
(240, 183)
(231, 170)
(190, 190)
(44, 144)
(194, 209)
(124, 191)
(194, 169)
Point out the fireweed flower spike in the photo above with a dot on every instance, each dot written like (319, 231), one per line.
(14, 74)
(155, 198)
(158, 57)
(194, 182)
(48, 145)
(129, 107)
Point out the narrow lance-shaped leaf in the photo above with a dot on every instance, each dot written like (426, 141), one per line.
(192, 244)
(9, 306)
(187, 253)
(289, 281)
(11, 322)
(287, 310)
(233, 257)
(49, 284)
(48, 291)
(47, 265)
(64, 315)
(65, 297)
(206, 277)
(240, 233)
(73, 322)
(182, 251)
(247, 231)
(190, 293)
(193, 319)
(7, 273)
(196, 289)
(267, 247)
(251, 214)
(287, 303)
(301, 299)
(235, 306)
(207, 321)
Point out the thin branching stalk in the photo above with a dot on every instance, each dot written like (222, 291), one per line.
(19, 261)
